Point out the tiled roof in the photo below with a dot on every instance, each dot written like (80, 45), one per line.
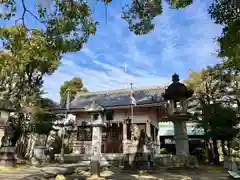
(119, 97)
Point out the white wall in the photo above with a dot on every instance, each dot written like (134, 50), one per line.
(120, 115)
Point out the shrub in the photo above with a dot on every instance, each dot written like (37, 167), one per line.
(200, 154)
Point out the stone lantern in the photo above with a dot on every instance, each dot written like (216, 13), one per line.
(177, 94)
(7, 152)
(96, 112)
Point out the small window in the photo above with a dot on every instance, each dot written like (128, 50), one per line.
(95, 116)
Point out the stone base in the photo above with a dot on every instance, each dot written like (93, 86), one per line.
(95, 167)
(140, 161)
(8, 156)
(188, 161)
(96, 177)
(39, 155)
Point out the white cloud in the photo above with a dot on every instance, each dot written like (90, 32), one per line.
(182, 39)
(110, 78)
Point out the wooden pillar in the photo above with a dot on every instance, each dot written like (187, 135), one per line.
(148, 129)
(154, 134)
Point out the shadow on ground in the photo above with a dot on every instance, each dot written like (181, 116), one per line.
(206, 173)
(203, 173)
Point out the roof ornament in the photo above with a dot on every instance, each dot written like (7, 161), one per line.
(175, 78)
(94, 107)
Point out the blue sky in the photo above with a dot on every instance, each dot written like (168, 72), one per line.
(182, 39)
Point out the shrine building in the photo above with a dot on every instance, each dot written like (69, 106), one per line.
(153, 105)
(116, 133)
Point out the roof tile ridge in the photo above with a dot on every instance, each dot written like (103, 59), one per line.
(115, 91)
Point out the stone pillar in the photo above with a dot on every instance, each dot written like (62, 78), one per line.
(181, 137)
(96, 146)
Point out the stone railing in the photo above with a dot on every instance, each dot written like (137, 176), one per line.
(169, 160)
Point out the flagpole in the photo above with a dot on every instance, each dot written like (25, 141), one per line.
(132, 113)
(125, 72)
(131, 84)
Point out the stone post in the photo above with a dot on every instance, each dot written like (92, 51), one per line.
(7, 151)
(181, 137)
(96, 145)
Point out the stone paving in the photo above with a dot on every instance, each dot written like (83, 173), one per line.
(203, 173)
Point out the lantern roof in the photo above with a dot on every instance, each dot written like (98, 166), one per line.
(177, 91)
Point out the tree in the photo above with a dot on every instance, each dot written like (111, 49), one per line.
(24, 60)
(39, 122)
(219, 123)
(218, 120)
(74, 86)
(228, 84)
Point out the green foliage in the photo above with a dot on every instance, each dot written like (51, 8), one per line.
(235, 144)
(67, 149)
(24, 60)
(74, 86)
(140, 14)
(214, 86)
(219, 122)
(67, 24)
(164, 151)
(41, 120)
(225, 13)
(201, 154)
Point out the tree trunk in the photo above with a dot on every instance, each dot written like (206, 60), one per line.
(31, 144)
(21, 147)
(216, 154)
(223, 147)
(209, 152)
(229, 146)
